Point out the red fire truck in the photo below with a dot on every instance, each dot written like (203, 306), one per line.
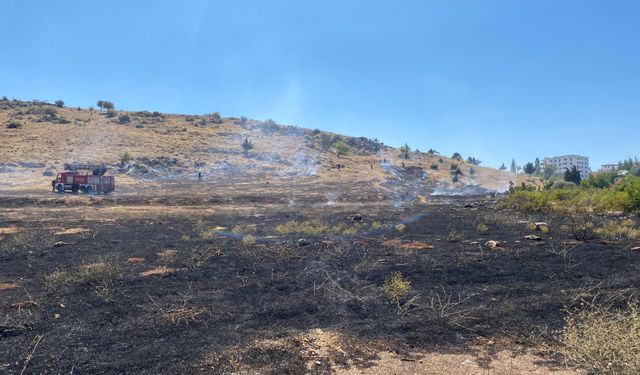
(76, 177)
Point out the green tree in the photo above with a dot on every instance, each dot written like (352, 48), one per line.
(503, 167)
(59, 103)
(405, 151)
(514, 168)
(573, 175)
(457, 156)
(529, 168)
(538, 167)
(599, 181)
(104, 104)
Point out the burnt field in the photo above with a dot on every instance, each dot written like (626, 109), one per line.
(290, 286)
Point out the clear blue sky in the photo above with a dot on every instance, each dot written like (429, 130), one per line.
(493, 79)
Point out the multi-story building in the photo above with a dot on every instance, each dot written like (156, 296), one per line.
(562, 163)
(609, 168)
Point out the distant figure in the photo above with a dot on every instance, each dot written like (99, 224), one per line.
(402, 164)
(199, 176)
(371, 166)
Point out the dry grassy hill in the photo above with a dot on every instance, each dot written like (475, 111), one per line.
(144, 148)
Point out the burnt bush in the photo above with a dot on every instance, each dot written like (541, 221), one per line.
(14, 125)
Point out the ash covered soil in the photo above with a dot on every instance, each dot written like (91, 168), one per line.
(275, 283)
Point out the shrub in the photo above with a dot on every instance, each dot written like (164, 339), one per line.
(558, 185)
(242, 121)
(405, 151)
(124, 119)
(602, 340)
(270, 125)
(434, 167)
(124, 159)
(309, 228)
(247, 145)
(342, 148)
(631, 186)
(14, 125)
(396, 287)
(482, 228)
(216, 118)
(59, 103)
(599, 181)
(248, 240)
(50, 113)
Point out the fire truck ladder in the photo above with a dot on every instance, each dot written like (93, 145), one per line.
(96, 169)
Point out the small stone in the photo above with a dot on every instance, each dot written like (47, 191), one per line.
(532, 237)
(135, 260)
(56, 316)
(541, 225)
(492, 244)
(635, 249)
(59, 244)
(303, 242)
(357, 218)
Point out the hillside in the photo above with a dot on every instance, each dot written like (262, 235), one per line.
(163, 148)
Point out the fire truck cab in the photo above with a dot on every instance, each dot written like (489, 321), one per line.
(73, 180)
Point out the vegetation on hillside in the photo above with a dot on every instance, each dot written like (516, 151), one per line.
(594, 194)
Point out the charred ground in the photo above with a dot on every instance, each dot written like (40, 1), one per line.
(206, 285)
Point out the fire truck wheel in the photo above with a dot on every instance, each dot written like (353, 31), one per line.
(88, 190)
(60, 189)
(74, 189)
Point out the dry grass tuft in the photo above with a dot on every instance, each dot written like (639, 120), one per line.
(7, 286)
(26, 241)
(619, 230)
(157, 271)
(602, 340)
(249, 240)
(98, 274)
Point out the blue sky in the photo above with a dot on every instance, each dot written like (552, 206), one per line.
(492, 79)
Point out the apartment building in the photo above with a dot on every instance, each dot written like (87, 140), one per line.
(562, 163)
(609, 168)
